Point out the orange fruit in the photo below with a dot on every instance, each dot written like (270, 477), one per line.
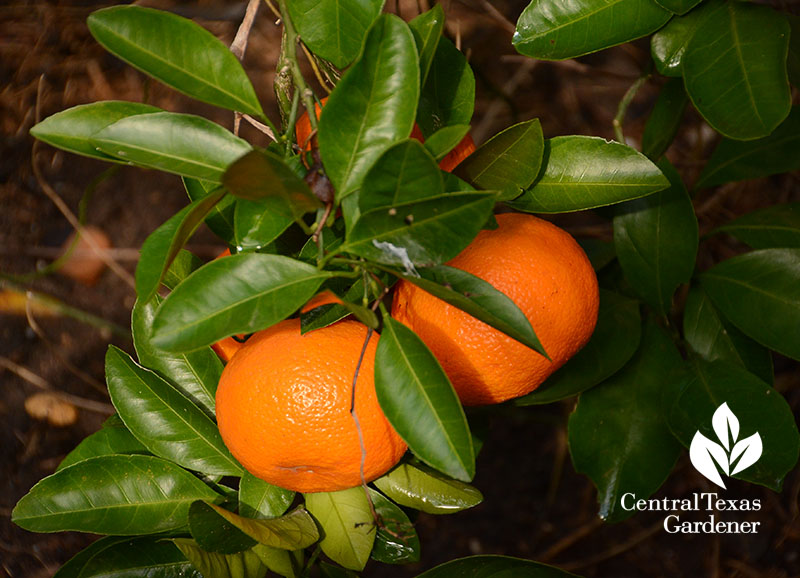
(462, 150)
(325, 297)
(546, 273)
(283, 408)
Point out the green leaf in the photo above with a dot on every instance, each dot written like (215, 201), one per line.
(446, 139)
(448, 95)
(771, 227)
(166, 47)
(713, 337)
(558, 29)
(245, 564)
(478, 298)
(793, 59)
(668, 45)
(420, 233)
(615, 339)
(239, 294)
(334, 29)
(758, 293)
(165, 420)
(112, 438)
(72, 129)
(396, 541)
(347, 525)
(213, 533)
(600, 252)
(122, 495)
(665, 120)
(423, 489)
(162, 245)
(427, 30)
(678, 6)
(256, 224)
(373, 105)
(758, 407)
(281, 562)
(293, 531)
(582, 172)
(494, 567)
(184, 144)
(259, 499)
(656, 241)
(738, 161)
(735, 70)
(405, 172)
(509, 161)
(129, 557)
(618, 434)
(420, 402)
(220, 220)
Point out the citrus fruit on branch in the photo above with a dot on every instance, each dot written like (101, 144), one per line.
(283, 408)
(546, 273)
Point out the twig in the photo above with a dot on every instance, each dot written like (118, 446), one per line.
(498, 16)
(239, 44)
(570, 539)
(315, 68)
(616, 550)
(497, 104)
(260, 126)
(297, 75)
(625, 103)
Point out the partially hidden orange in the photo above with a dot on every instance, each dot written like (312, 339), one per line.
(547, 275)
(283, 408)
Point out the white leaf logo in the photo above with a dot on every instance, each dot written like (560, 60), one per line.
(708, 457)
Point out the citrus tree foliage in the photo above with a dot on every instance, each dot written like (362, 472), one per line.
(158, 482)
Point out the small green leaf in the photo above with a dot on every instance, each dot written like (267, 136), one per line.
(758, 293)
(618, 434)
(72, 129)
(259, 499)
(742, 47)
(245, 564)
(678, 6)
(665, 120)
(582, 172)
(771, 227)
(164, 420)
(556, 30)
(494, 566)
(668, 45)
(113, 438)
(396, 541)
(293, 531)
(256, 224)
(220, 220)
(281, 562)
(509, 161)
(423, 489)
(184, 144)
(214, 533)
(615, 339)
(122, 495)
(420, 402)
(347, 525)
(373, 105)
(448, 95)
(427, 29)
(239, 294)
(759, 408)
(446, 139)
(166, 47)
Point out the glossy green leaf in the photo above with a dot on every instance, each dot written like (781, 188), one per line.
(348, 529)
(426, 490)
(668, 45)
(509, 161)
(735, 70)
(558, 29)
(166, 47)
(713, 337)
(373, 105)
(122, 495)
(494, 567)
(184, 144)
(405, 172)
(446, 139)
(256, 224)
(282, 562)
(448, 95)
(259, 499)
(424, 233)
(396, 541)
(163, 244)
(665, 120)
(213, 533)
(165, 420)
(72, 129)
(128, 557)
(618, 434)
(419, 401)
(758, 293)
(582, 172)
(678, 6)
(758, 407)
(293, 531)
(656, 241)
(427, 30)
(239, 294)
(771, 227)
(738, 161)
(615, 339)
(334, 29)
(478, 298)
(112, 438)
(220, 219)
(245, 564)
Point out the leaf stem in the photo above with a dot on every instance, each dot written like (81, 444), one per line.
(292, 39)
(622, 109)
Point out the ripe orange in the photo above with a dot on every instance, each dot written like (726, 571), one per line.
(462, 150)
(546, 273)
(283, 408)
